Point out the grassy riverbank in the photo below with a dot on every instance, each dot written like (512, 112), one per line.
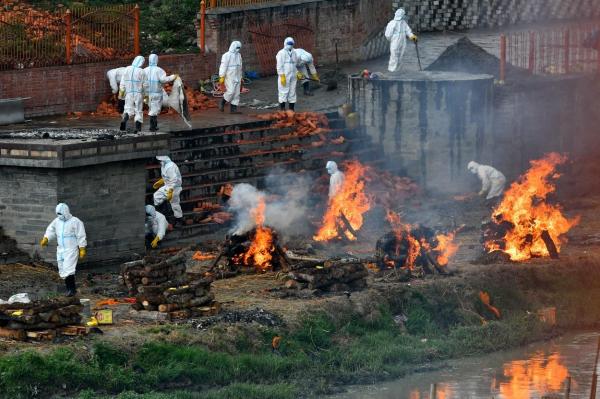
(345, 341)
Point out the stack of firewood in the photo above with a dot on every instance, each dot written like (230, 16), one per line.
(330, 276)
(43, 314)
(163, 285)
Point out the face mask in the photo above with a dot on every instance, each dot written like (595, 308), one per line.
(61, 216)
(289, 45)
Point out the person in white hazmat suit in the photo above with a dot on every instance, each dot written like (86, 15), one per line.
(154, 79)
(287, 59)
(168, 187)
(114, 77)
(132, 89)
(396, 32)
(336, 179)
(305, 66)
(492, 180)
(230, 74)
(69, 233)
(156, 226)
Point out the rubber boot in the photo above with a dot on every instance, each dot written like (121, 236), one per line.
(121, 106)
(222, 105)
(70, 285)
(306, 87)
(234, 109)
(282, 106)
(292, 106)
(138, 126)
(153, 123)
(123, 126)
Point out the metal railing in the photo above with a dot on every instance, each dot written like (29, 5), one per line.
(32, 38)
(235, 3)
(573, 49)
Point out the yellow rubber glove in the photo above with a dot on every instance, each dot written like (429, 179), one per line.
(299, 75)
(121, 94)
(413, 38)
(82, 252)
(282, 79)
(158, 184)
(315, 76)
(170, 194)
(176, 76)
(221, 79)
(145, 99)
(44, 241)
(92, 323)
(154, 243)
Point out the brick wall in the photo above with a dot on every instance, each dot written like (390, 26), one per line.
(63, 89)
(353, 22)
(108, 198)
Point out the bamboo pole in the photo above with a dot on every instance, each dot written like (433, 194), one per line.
(595, 375)
(433, 391)
(136, 30)
(502, 58)
(202, 26)
(68, 36)
(568, 388)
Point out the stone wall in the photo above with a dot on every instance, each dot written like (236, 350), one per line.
(72, 88)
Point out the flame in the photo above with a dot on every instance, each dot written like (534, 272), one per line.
(539, 373)
(351, 201)
(443, 391)
(485, 299)
(199, 255)
(261, 250)
(446, 248)
(524, 205)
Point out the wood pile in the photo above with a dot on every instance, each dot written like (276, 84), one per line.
(330, 276)
(163, 285)
(42, 314)
(304, 123)
(495, 231)
(413, 253)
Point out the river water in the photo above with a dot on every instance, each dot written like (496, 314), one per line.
(525, 373)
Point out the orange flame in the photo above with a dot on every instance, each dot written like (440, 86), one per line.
(445, 247)
(485, 299)
(261, 250)
(524, 206)
(351, 201)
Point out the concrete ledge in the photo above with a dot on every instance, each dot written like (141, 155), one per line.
(42, 153)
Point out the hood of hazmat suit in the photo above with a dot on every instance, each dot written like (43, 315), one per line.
(331, 167)
(138, 61)
(289, 43)
(400, 14)
(235, 47)
(150, 211)
(153, 60)
(472, 167)
(69, 233)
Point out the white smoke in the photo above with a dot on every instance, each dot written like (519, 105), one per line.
(285, 204)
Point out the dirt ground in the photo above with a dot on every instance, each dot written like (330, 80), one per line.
(253, 292)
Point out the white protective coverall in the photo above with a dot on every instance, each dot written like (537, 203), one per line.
(231, 69)
(396, 32)
(70, 236)
(156, 222)
(154, 78)
(114, 77)
(305, 64)
(336, 180)
(287, 59)
(169, 172)
(133, 85)
(492, 180)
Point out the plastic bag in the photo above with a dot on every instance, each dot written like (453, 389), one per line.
(20, 298)
(178, 101)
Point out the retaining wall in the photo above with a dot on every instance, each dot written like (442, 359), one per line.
(72, 88)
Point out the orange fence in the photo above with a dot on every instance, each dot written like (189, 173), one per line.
(32, 38)
(573, 49)
(235, 3)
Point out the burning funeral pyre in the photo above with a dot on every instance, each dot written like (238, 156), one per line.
(415, 249)
(525, 225)
(344, 215)
(163, 285)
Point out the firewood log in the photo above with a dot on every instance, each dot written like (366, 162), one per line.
(168, 307)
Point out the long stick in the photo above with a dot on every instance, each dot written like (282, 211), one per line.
(418, 56)
(595, 375)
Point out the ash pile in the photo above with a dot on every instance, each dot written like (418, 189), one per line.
(19, 320)
(162, 285)
(66, 134)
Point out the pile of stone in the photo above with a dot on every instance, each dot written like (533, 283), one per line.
(163, 285)
(17, 318)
